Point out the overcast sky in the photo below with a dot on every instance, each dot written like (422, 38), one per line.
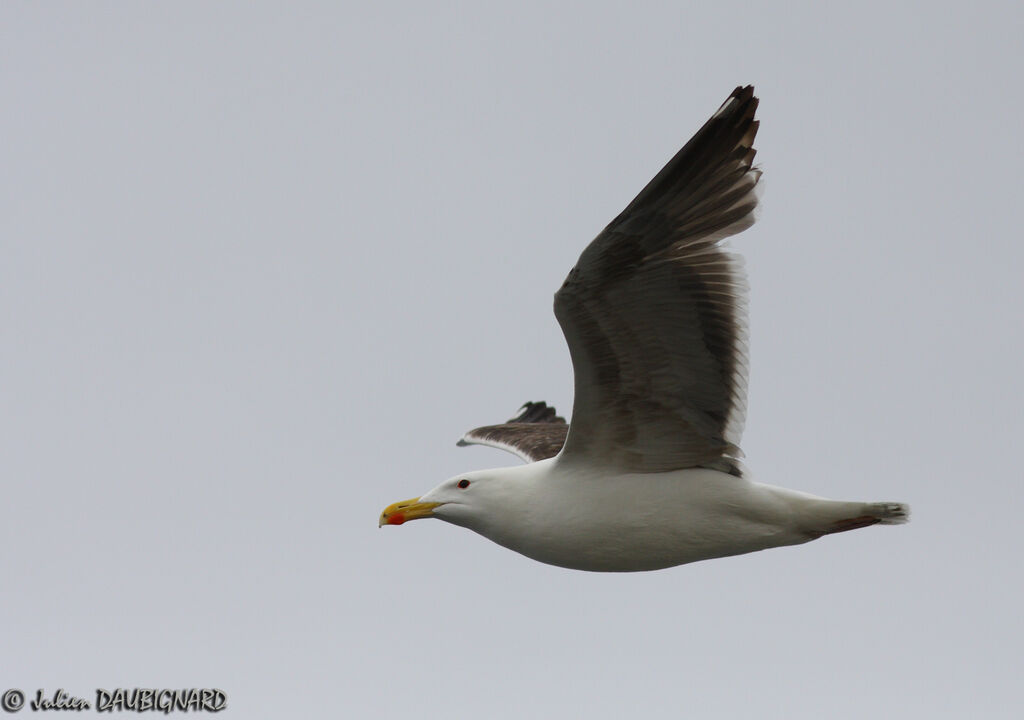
(262, 264)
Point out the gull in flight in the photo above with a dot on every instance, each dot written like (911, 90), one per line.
(647, 474)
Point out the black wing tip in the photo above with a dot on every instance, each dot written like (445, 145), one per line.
(728, 133)
(739, 109)
(537, 412)
(743, 92)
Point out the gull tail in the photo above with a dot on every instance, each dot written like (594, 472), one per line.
(867, 514)
(889, 513)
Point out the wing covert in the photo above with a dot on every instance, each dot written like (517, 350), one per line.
(535, 434)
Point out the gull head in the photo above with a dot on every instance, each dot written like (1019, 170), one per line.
(467, 499)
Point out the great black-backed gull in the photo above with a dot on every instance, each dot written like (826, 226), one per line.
(647, 475)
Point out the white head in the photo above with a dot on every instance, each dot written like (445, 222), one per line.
(472, 499)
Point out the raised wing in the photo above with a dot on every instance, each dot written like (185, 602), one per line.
(535, 434)
(655, 311)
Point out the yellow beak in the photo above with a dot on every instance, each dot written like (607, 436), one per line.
(397, 513)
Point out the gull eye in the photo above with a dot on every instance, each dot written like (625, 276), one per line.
(463, 484)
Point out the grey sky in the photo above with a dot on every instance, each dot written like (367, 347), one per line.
(262, 264)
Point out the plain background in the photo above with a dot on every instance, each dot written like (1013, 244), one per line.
(262, 264)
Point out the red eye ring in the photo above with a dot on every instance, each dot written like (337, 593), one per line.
(463, 484)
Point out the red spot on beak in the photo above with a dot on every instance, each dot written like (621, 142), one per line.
(396, 519)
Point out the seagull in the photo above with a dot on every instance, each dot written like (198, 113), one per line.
(647, 474)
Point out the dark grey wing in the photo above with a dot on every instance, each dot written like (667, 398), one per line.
(535, 434)
(655, 311)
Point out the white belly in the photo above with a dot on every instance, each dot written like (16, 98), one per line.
(651, 521)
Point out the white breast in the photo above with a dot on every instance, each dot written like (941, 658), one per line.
(583, 519)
